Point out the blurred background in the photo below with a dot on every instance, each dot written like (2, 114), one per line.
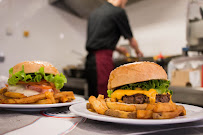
(169, 32)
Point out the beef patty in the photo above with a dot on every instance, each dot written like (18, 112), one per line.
(136, 99)
(141, 98)
(163, 98)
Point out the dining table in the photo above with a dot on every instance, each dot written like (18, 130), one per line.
(61, 121)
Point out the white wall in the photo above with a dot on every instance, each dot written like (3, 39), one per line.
(45, 24)
(158, 25)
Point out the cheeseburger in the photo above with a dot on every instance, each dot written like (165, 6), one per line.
(139, 83)
(35, 77)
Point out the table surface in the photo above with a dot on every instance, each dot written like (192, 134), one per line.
(11, 120)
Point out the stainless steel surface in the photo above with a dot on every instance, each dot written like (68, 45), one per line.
(187, 95)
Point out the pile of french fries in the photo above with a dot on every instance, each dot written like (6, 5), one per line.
(7, 97)
(139, 111)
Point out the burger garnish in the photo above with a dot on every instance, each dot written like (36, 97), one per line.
(161, 87)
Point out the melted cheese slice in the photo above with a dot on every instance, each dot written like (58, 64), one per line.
(21, 89)
(118, 94)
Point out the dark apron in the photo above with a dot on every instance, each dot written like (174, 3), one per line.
(99, 64)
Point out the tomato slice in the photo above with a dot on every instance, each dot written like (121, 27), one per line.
(34, 83)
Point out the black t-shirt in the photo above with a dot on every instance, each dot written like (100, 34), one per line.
(105, 26)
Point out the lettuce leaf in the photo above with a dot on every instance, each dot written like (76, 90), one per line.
(161, 86)
(109, 92)
(58, 79)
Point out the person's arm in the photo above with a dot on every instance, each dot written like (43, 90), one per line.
(122, 50)
(133, 43)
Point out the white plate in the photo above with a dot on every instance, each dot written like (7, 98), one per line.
(39, 107)
(194, 113)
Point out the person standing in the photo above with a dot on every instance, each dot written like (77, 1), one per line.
(105, 26)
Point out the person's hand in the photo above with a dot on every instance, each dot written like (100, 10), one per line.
(139, 53)
(122, 50)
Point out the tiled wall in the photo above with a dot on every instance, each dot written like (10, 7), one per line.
(59, 37)
(159, 25)
(54, 34)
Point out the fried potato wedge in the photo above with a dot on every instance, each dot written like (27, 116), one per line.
(120, 114)
(97, 105)
(89, 106)
(141, 106)
(107, 99)
(150, 106)
(64, 93)
(65, 99)
(101, 99)
(121, 106)
(26, 100)
(14, 95)
(168, 115)
(183, 111)
(2, 90)
(44, 101)
(49, 95)
(144, 114)
(164, 107)
(2, 98)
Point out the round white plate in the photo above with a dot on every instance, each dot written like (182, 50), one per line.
(194, 113)
(39, 107)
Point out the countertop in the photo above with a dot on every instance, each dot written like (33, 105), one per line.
(12, 120)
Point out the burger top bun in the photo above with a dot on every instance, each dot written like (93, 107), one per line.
(34, 66)
(135, 72)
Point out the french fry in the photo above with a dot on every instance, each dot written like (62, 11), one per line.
(65, 93)
(44, 101)
(113, 100)
(183, 111)
(107, 99)
(164, 107)
(141, 106)
(120, 114)
(57, 100)
(144, 114)
(26, 100)
(150, 106)
(100, 96)
(97, 105)
(169, 115)
(49, 95)
(2, 90)
(89, 106)
(2, 98)
(14, 95)
(121, 106)
(101, 99)
(165, 115)
(65, 99)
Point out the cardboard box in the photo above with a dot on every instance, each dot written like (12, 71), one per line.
(190, 78)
